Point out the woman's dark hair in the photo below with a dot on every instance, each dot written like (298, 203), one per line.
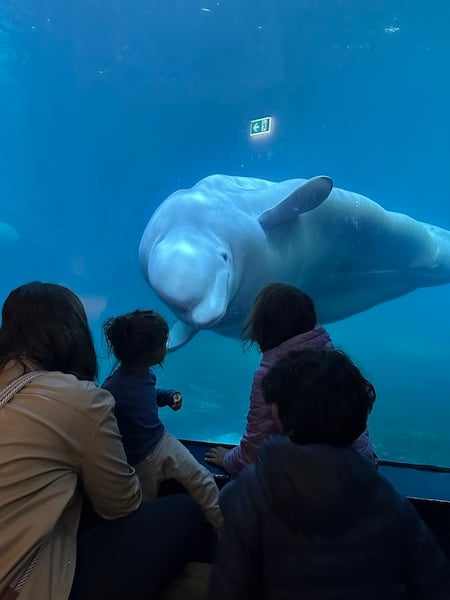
(280, 312)
(137, 338)
(46, 323)
(321, 397)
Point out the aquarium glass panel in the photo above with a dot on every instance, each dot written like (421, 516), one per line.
(110, 109)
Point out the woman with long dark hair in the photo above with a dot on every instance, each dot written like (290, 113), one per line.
(60, 449)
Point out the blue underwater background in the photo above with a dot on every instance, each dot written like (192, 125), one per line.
(108, 106)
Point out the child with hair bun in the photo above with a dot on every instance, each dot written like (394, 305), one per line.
(138, 341)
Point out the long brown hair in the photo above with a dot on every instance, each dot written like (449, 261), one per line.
(279, 312)
(47, 324)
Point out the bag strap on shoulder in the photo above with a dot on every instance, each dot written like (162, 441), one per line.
(5, 396)
(15, 386)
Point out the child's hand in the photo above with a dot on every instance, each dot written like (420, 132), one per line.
(177, 401)
(216, 455)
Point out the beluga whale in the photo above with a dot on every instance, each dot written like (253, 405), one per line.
(208, 250)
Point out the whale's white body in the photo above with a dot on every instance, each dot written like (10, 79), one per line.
(208, 250)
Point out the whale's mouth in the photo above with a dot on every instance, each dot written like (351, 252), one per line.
(197, 314)
(196, 283)
(213, 306)
(203, 321)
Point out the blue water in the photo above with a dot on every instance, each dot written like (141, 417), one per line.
(108, 106)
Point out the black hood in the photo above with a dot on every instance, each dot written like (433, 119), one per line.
(316, 487)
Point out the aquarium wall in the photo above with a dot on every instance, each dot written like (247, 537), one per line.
(107, 107)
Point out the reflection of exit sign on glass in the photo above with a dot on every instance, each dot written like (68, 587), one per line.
(260, 126)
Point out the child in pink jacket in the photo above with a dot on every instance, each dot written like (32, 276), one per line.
(282, 319)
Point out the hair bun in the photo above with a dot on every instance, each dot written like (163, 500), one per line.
(117, 329)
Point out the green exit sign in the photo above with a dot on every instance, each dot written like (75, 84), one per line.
(260, 126)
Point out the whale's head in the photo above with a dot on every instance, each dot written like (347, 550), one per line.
(192, 273)
(207, 250)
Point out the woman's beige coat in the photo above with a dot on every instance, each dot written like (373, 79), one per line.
(57, 435)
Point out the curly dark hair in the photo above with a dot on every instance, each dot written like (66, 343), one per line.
(321, 396)
(279, 312)
(47, 324)
(137, 339)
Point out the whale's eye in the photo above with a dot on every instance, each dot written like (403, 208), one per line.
(224, 256)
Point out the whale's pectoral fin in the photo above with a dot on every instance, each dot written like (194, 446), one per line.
(179, 335)
(303, 199)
